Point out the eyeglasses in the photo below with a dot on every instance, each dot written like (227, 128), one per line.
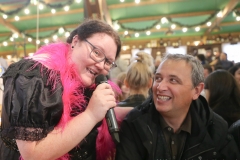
(98, 56)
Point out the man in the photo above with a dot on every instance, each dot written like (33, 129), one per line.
(223, 62)
(176, 122)
(207, 70)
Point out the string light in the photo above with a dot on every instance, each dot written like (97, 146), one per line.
(78, 1)
(53, 11)
(148, 33)
(209, 24)
(5, 43)
(197, 29)
(158, 26)
(184, 29)
(117, 25)
(137, 1)
(66, 8)
(46, 41)
(26, 11)
(67, 34)
(16, 18)
(5, 16)
(173, 26)
(40, 6)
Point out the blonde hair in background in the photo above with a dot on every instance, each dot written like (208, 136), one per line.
(140, 71)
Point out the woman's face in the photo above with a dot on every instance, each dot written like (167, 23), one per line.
(237, 76)
(87, 68)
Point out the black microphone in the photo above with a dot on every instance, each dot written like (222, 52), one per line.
(110, 116)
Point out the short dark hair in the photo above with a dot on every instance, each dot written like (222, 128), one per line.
(90, 27)
(208, 67)
(201, 57)
(234, 68)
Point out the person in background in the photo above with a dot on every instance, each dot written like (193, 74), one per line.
(201, 58)
(222, 94)
(235, 71)
(176, 121)
(52, 108)
(207, 70)
(120, 82)
(215, 59)
(223, 62)
(138, 79)
(209, 56)
(234, 129)
(3, 67)
(157, 61)
(121, 67)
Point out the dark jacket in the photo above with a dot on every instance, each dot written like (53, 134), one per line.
(234, 129)
(209, 137)
(132, 101)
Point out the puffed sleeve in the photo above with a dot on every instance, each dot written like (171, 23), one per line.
(31, 107)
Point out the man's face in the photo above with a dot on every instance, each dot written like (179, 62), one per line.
(223, 57)
(237, 76)
(173, 89)
(206, 73)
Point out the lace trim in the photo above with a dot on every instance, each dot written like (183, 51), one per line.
(21, 133)
(29, 134)
(9, 142)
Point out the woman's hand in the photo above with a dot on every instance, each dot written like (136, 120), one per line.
(102, 100)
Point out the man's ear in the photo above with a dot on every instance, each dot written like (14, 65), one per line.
(197, 90)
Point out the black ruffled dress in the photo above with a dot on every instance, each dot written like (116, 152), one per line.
(31, 109)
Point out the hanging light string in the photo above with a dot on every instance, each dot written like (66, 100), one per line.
(28, 2)
(37, 26)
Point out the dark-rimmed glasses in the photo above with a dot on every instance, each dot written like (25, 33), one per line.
(98, 56)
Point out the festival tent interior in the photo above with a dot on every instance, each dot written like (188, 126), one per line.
(155, 25)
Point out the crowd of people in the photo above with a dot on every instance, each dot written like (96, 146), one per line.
(185, 107)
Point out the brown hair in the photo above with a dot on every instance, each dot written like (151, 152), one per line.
(92, 26)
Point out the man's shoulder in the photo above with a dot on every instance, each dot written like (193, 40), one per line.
(140, 111)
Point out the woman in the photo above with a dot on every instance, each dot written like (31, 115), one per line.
(138, 79)
(52, 109)
(235, 71)
(120, 82)
(223, 94)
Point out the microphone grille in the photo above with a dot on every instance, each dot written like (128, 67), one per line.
(100, 79)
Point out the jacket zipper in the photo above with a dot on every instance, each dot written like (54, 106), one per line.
(153, 153)
(200, 152)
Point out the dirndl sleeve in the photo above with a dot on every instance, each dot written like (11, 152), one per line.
(31, 107)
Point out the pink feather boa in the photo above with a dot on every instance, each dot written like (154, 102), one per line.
(56, 57)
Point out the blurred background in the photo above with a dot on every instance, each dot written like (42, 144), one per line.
(155, 26)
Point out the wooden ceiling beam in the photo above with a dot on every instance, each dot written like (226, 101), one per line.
(9, 25)
(227, 9)
(105, 12)
(143, 3)
(179, 15)
(91, 9)
(75, 25)
(47, 15)
(216, 22)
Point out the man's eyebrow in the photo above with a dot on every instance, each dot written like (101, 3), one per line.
(174, 76)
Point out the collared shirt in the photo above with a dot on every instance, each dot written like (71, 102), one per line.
(176, 141)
